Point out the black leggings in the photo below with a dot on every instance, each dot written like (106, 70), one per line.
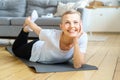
(21, 47)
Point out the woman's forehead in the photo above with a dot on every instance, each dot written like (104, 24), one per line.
(71, 17)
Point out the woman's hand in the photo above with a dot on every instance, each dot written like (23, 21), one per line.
(78, 57)
(75, 39)
(81, 30)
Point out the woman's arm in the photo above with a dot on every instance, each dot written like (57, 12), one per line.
(32, 25)
(78, 57)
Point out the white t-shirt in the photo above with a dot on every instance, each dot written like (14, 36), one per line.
(47, 49)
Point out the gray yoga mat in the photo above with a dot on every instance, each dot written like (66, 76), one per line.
(60, 67)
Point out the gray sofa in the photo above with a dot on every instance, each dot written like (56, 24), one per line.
(14, 12)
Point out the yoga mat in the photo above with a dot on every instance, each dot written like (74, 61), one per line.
(59, 67)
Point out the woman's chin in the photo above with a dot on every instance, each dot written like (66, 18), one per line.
(72, 35)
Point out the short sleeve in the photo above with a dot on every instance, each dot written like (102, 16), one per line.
(83, 43)
(45, 34)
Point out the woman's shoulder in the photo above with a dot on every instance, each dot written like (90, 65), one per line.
(84, 36)
(51, 30)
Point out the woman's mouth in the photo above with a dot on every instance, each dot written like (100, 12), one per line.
(71, 31)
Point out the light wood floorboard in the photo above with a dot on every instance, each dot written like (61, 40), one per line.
(105, 55)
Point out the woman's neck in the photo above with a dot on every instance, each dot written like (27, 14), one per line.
(66, 40)
(66, 43)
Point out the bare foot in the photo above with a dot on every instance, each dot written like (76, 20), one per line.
(25, 29)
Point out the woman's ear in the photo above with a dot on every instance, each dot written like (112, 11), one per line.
(81, 25)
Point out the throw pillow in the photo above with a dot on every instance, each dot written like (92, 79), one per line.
(62, 7)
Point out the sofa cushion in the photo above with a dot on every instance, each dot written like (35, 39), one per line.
(41, 6)
(55, 2)
(12, 8)
(19, 21)
(48, 21)
(44, 7)
(41, 11)
(5, 21)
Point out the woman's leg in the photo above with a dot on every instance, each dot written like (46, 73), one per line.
(21, 48)
(20, 40)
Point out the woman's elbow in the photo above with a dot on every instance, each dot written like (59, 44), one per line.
(78, 65)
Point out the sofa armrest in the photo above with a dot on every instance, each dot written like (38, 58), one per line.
(81, 11)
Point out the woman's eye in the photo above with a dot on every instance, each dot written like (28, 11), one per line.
(75, 22)
(67, 22)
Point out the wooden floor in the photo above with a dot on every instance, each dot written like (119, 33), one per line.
(103, 54)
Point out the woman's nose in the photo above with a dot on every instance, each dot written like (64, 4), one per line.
(72, 25)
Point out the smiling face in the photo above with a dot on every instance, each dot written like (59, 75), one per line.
(70, 24)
